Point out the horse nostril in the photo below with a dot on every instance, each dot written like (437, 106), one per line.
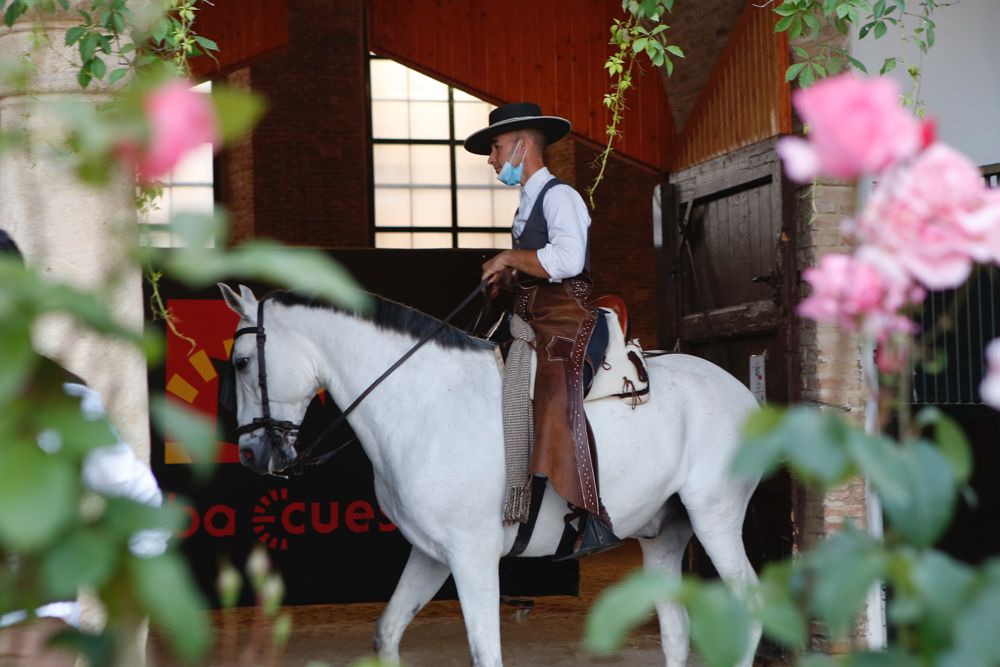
(246, 454)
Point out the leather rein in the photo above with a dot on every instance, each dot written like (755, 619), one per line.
(307, 456)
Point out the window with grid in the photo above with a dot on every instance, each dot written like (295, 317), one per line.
(189, 188)
(430, 192)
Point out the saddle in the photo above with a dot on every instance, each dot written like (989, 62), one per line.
(615, 365)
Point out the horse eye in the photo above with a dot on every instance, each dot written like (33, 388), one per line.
(241, 363)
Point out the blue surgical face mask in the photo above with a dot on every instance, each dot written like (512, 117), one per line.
(509, 174)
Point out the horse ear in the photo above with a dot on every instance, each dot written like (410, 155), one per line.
(236, 303)
(247, 294)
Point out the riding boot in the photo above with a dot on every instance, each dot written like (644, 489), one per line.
(593, 536)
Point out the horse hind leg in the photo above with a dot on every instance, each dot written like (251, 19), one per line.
(719, 527)
(421, 579)
(665, 553)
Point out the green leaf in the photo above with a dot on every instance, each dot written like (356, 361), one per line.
(639, 44)
(813, 23)
(675, 50)
(165, 589)
(206, 43)
(117, 74)
(941, 588)
(880, 29)
(931, 493)
(88, 46)
(160, 28)
(310, 271)
(887, 658)
(196, 433)
(14, 12)
(38, 496)
(74, 34)
(763, 446)
(807, 78)
(817, 660)
(711, 607)
(84, 558)
(623, 606)
(845, 565)
(951, 441)
(97, 68)
(977, 642)
(784, 24)
(793, 71)
(237, 111)
(858, 65)
(888, 66)
(778, 612)
(877, 458)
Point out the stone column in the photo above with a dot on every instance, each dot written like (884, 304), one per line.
(69, 231)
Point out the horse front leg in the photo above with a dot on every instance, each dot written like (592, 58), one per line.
(477, 579)
(421, 579)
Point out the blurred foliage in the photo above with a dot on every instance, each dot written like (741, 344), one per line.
(911, 18)
(56, 536)
(938, 610)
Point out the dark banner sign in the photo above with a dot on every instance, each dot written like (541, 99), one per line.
(324, 530)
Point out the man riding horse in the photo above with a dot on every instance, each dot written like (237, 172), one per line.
(548, 268)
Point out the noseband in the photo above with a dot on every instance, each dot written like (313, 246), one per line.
(265, 422)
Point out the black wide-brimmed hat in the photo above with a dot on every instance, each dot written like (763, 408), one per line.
(516, 116)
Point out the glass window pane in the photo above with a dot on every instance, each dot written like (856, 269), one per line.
(191, 199)
(432, 207)
(432, 240)
(473, 170)
(425, 88)
(430, 165)
(388, 80)
(392, 207)
(505, 202)
(429, 120)
(412, 240)
(483, 240)
(392, 164)
(390, 120)
(195, 166)
(471, 116)
(462, 96)
(475, 208)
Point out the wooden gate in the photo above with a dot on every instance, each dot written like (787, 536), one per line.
(728, 282)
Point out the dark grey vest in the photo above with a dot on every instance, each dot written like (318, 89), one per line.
(535, 234)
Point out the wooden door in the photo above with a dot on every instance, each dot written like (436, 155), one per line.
(728, 283)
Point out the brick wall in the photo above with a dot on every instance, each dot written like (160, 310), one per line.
(622, 259)
(831, 370)
(308, 161)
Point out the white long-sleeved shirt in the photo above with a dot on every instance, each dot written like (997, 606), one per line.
(564, 256)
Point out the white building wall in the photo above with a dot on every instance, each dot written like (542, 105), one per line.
(961, 74)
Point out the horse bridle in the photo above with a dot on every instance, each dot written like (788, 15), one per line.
(265, 422)
(306, 457)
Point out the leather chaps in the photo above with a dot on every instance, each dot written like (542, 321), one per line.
(563, 318)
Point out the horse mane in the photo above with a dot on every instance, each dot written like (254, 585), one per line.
(393, 316)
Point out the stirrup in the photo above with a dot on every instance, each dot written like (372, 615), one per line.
(595, 537)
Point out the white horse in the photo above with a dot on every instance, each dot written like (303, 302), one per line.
(433, 432)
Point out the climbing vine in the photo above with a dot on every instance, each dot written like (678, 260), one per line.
(640, 32)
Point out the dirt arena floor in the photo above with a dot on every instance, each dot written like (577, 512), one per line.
(338, 635)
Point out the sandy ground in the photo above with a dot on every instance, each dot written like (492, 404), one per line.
(549, 634)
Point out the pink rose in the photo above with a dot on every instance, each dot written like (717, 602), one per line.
(862, 293)
(921, 213)
(989, 390)
(179, 119)
(855, 126)
(983, 228)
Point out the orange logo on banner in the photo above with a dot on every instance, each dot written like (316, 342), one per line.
(190, 372)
